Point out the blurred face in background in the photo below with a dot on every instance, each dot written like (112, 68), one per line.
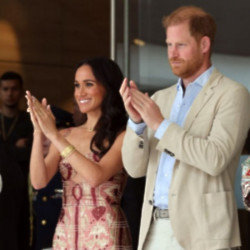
(10, 92)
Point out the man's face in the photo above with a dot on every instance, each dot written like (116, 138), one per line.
(10, 92)
(184, 52)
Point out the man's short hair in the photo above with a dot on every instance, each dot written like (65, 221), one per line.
(11, 75)
(200, 22)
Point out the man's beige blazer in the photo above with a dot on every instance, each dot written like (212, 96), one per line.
(202, 206)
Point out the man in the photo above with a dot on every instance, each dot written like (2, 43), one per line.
(15, 142)
(189, 144)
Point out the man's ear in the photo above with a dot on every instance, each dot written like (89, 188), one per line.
(205, 44)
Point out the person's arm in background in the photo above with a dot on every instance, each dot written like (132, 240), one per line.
(24, 143)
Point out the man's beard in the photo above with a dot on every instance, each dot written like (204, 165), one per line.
(185, 68)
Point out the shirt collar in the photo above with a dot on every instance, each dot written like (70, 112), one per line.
(200, 80)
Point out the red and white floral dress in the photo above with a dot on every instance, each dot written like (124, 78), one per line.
(91, 218)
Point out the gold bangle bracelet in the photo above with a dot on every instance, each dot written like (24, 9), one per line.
(67, 151)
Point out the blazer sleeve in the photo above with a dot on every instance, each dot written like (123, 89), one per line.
(213, 153)
(135, 153)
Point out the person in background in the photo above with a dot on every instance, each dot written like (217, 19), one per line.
(88, 158)
(47, 202)
(187, 140)
(15, 144)
(245, 174)
(246, 183)
(240, 189)
(240, 173)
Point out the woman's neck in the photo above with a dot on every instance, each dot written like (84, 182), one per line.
(91, 122)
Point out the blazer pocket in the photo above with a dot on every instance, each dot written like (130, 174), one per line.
(218, 215)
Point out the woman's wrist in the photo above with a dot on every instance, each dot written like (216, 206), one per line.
(55, 136)
(67, 151)
(38, 135)
(37, 131)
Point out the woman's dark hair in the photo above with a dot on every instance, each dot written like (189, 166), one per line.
(113, 119)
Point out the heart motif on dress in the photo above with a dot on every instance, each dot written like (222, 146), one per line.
(98, 212)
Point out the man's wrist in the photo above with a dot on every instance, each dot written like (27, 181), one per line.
(157, 124)
(136, 122)
(138, 128)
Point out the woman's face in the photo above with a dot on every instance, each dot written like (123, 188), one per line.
(89, 93)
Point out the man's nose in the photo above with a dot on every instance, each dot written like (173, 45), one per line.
(174, 51)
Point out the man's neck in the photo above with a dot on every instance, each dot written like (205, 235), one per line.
(200, 71)
(9, 111)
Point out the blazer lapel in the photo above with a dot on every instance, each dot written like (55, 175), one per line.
(168, 103)
(202, 98)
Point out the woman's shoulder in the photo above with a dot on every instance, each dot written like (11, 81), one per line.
(120, 135)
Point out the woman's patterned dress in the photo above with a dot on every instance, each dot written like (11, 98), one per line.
(91, 218)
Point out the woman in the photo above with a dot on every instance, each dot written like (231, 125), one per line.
(89, 159)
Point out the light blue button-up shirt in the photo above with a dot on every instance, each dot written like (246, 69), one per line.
(179, 111)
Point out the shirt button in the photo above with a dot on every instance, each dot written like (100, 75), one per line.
(141, 144)
(150, 202)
